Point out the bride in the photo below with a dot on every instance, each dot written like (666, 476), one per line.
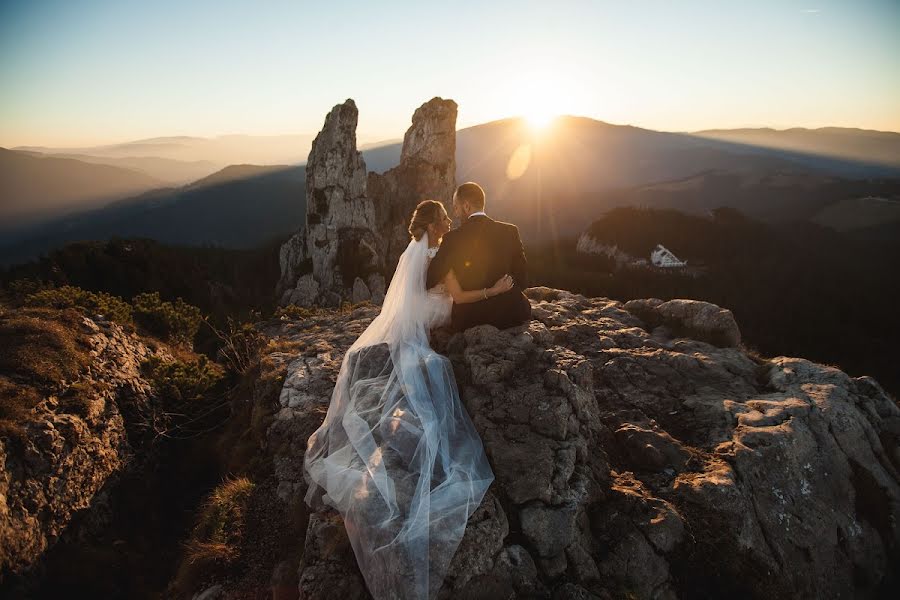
(397, 454)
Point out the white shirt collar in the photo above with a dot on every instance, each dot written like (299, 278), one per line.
(480, 212)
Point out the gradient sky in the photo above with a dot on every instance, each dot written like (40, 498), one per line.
(97, 71)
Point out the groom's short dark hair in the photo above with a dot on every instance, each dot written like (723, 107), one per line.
(472, 193)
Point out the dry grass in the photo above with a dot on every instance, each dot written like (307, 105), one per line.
(42, 347)
(41, 351)
(215, 541)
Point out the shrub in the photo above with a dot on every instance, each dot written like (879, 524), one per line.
(182, 381)
(20, 289)
(174, 321)
(294, 312)
(91, 303)
(242, 345)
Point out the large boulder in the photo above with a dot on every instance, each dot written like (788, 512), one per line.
(633, 461)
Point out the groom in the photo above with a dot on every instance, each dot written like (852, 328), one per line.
(481, 251)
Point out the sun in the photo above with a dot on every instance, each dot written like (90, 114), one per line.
(539, 118)
(539, 94)
(538, 107)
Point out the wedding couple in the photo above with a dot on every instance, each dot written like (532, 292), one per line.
(397, 454)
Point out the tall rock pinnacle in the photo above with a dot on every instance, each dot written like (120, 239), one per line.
(356, 224)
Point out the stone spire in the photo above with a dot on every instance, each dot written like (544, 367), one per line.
(427, 171)
(356, 225)
(337, 251)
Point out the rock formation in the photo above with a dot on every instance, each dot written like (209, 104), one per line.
(356, 223)
(338, 243)
(427, 171)
(75, 443)
(632, 459)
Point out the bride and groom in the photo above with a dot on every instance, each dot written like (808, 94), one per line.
(397, 454)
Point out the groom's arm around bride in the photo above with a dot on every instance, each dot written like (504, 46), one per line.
(479, 252)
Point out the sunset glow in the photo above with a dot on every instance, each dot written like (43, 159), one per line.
(80, 74)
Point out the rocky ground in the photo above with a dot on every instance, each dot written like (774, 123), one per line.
(68, 455)
(93, 503)
(639, 451)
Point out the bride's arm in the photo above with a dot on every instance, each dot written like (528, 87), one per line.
(461, 296)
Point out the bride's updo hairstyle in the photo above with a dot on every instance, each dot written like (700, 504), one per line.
(426, 213)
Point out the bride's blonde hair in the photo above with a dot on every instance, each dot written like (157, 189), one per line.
(426, 213)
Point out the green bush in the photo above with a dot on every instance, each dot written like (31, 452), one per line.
(18, 290)
(295, 312)
(175, 321)
(91, 303)
(179, 381)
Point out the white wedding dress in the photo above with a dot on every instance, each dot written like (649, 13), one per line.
(397, 454)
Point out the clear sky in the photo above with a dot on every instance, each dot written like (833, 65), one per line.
(80, 72)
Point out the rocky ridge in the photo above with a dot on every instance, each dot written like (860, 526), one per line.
(632, 458)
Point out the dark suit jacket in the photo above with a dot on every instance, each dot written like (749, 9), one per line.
(480, 252)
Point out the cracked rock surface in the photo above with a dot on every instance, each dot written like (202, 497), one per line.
(74, 445)
(632, 461)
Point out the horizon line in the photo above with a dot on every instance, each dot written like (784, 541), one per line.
(399, 138)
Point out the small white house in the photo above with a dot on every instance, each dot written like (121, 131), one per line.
(663, 258)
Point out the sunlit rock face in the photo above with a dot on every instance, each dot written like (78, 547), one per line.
(427, 171)
(74, 446)
(639, 451)
(338, 247)
(356, 223)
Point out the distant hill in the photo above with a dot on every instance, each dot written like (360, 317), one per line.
(167, 170)
(220, 281)
(34, 188)
(550, 183)
(221, 150)
(770, 196)
(862, 145)
(240, 207)
(860, 213)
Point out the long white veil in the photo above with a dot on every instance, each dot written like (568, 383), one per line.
(397, 454)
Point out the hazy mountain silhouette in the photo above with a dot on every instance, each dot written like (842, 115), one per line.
(773, 196)
(33, 188)
(167, 170)
(549, 183)
(240, 207)
(223, 149)
(867, 146)
(860, 212)
(580, 167)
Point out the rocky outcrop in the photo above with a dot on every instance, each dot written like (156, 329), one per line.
(632, 459)
(74, 444)
(427, 171)
(356, 223)
(704, 321)
(338, 244)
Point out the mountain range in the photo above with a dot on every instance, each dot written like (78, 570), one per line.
(550, 182)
